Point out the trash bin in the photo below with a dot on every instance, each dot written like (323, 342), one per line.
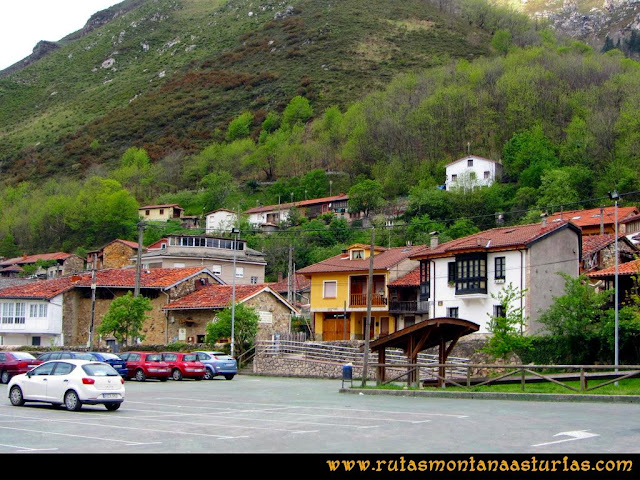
(347, 374)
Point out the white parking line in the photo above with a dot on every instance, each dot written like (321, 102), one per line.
(27, 449)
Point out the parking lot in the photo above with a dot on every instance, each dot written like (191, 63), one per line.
(253, 414)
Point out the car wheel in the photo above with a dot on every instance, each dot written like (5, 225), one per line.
(15, 395)
(140, 376)
(229, 377)
(176, 374)
(72, 401)
(209, 375)
(112, 407)
(4, 377)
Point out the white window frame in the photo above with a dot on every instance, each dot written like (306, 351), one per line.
(239, 272)
(324, 288)
(216, 269)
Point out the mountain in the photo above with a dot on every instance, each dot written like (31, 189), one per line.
(167, 75)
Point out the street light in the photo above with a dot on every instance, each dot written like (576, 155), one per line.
(615, 197)
(235, 232)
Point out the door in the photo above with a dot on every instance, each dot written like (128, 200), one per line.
(58, 382)
(384, 326)
(336, 329)
(35, 385)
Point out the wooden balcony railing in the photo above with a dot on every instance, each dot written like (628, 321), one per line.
(360, 300)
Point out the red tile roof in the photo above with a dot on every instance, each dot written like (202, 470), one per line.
(26, 259)
(215, 296)
(167, 205)
(591, 217)
(627, 268)
(387, 258)
(502, 238)
(302, 203)
(158, 278)
(411, 279)
(300, 283)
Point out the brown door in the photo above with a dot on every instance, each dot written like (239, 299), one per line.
(384, 326)
(336, 329)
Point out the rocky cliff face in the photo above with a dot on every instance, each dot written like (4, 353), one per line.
(579, 19)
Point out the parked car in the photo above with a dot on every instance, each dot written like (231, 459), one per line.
(57, 355)
(15, 363)
(69, 382)
(112, 359)
(218, 363)
(143, 365)
(184, 365)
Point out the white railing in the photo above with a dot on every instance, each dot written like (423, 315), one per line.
(315, 351)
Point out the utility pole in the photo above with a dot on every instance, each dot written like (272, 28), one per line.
(367, 326)
(141, 226)
(93, 299)
(290, 275)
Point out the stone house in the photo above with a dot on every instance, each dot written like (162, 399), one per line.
(599, 252)
(115, 254)
(189, 316)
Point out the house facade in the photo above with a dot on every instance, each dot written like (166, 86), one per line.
(472, 171)
(220, 221)
(160, 213)
(340, 291)
(599, 252)
(64, 311)
(189, 316)
(404, 300)
(215, 253)
(115, 254)
(464, 278)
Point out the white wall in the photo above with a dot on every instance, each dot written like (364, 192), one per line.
(464, 172)
(220, 221)
(49, 328)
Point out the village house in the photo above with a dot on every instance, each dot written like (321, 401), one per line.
(463, 278)
(599, 252)
(160, 213)
(472, 171)
(189, 316)
(49, 265)
(599, 221)
(215, 253)
(220, 221)
(628, 276)
(404, 300)
(63, 311)
(115, 254)
(271, 216)
(340, 293)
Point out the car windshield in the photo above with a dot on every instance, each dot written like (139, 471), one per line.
(154, 358)
(190, 358)
(23, 356)
(99, 370)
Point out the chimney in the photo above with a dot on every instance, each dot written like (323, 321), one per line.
(280, 277)
(434, 239)
(544, 219)
(601, 220)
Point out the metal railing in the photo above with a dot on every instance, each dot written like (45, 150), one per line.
(315, 351)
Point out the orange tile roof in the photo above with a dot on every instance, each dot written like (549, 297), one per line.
(591, 217)
(411, 279)
(501, 238)
(302, 203)
(26, 259)
(158, 278)
(215, 296)
(388, 258)
(625, 269)
(300, 283)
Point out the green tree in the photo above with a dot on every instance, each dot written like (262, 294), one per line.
(501, 41)
(508, 327)
(125, 318)
(9, 247)
(298, 111)
(245, 327)
(240, 126)
(365, 196)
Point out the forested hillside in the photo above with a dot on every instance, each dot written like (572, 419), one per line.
(560, 116)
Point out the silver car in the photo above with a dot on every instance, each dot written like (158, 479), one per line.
(218, 364)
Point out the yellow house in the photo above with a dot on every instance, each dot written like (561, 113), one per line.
(160, 213)
(339, 291)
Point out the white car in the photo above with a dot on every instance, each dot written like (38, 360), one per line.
(69, 382)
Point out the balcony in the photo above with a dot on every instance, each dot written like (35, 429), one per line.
(408, 306)
(360, 300)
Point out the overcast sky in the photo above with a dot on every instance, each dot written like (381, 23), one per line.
(23, 23)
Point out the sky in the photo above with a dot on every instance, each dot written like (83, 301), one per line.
(23, 23)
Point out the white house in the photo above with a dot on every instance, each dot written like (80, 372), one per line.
(472, 171)
(463, 278)
(31, 314)
(220, 221)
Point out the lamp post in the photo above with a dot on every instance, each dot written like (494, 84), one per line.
(235, 232)
(615, 197)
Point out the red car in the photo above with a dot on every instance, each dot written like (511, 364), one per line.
(143, 365)
(15, 363)
(184, 365)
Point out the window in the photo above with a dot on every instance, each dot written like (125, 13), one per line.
(254, 280)
(498, 311)
(451, 273)
(424, 281)
(162, 211)
(216, 269)
(470, 162)
(20, 313)
(357, 254)
(38, 310)
(35, 341)
(147, 212)
(471, 274)
(13, 312)
(239, 272)
(7, 313)
(487, 174)
(330, 289)
(500, 268)
(452, 312)
(454, 177)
